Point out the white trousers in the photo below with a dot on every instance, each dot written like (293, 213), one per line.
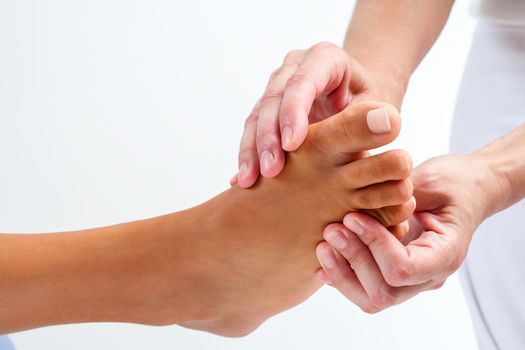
(491, 102)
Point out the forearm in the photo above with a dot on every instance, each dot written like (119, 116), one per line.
(99, 275)
(393, 36)
(505, 159)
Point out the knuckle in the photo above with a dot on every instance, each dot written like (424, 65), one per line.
(275, 73)
(323, 45)
(300, 77)
(252, 119)
(383, 298)
(357, 259)
(271, 97)
(369, 309)
(266, 139)
(397, 275)
(246, 154)
(292, 57)
(438, 285)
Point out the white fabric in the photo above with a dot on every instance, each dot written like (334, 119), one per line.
(510, 12)
(491, 102)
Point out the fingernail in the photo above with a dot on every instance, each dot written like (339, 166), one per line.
(326, 258)
(353, 225)
(378, 121)
(287, 135)
(336, 239)
(243, 171)
(267, 160)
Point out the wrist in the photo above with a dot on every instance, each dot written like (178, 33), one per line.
(495, 185)
(384, 83)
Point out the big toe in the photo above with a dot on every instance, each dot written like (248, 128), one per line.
(358, 128)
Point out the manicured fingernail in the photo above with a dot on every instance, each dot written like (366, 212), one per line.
(267, 161)
(243, 171)
(326, 258)
(336, 239)
(353, 225)
(378, 121)
(287, 135)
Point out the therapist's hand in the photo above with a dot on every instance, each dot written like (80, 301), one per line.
(373, 269)
(310, 86)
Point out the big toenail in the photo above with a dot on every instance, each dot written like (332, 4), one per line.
(378, 121)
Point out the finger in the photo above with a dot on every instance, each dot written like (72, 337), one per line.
(321, 275)
(324, 70)
(341, 276)
(390, 165)
(268, 139)
(382, 195)
(248, 156)
(399, 265)
(394, 215)
(361, 261)
(380, 294)
(234, 180)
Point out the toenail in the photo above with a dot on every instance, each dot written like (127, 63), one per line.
(405, 189)
(267, 160)
(378, 121)
(336, 239)
(353, 225)
(287, 135)
(327, 259)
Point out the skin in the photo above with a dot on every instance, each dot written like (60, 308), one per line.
(454, 194)
(224, 266)
(385, 42)
(316, 83)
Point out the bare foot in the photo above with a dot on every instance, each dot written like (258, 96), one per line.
(253, 251)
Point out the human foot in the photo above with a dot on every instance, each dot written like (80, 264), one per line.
(259, 244)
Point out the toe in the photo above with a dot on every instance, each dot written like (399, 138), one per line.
(387, 166)
(361, 127)
(382, 195)
(395, 214)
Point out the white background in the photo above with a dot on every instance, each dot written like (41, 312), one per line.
(118, 110)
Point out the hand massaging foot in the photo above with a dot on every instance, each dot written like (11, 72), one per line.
(255, 248)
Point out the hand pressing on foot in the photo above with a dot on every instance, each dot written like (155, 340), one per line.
(311, 85)
(259, 244)
(454, 194)
(226, 265)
